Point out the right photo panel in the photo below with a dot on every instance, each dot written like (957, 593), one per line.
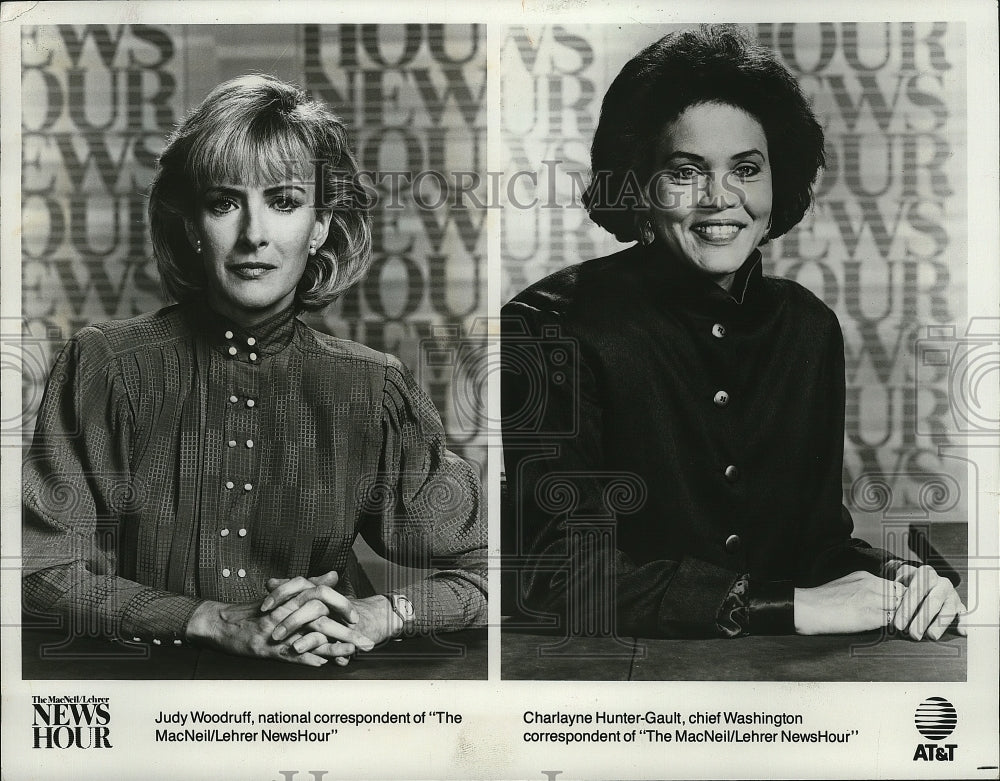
(736, 356)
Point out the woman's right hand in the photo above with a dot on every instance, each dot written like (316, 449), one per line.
(245, 631)
(857, 602)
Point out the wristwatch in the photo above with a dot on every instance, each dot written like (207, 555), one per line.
(402, 607)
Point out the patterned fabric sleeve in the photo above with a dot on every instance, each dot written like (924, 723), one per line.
(77, 489)
(426, 511)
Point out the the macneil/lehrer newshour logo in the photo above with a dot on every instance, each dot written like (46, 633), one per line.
(935, 719)
(71, 721)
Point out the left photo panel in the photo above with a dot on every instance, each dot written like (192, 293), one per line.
(252, 334)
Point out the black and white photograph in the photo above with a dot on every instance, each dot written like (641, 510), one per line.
(213, 437)
(544, 390)
(717, 429)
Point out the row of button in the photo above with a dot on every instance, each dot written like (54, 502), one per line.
(250, 343)
(156, 641)
(732, 473)
(250, 340)
(230, 485)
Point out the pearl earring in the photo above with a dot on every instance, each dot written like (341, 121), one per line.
(197, 246)
(312, 247)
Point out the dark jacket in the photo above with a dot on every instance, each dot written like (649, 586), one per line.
(663, 438)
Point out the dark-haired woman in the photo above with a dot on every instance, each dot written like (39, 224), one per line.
(200, 474)
(692, 416)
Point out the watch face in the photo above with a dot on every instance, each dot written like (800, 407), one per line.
(403, 606)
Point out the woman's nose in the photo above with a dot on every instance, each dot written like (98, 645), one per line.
(254, 227)
(718, 192)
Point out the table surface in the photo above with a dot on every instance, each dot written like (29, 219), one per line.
(47, 655)
(530, 654)
(871, 656)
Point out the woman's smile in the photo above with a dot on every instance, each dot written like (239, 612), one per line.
(719, 233)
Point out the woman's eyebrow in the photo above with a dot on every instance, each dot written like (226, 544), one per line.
(223, 188)
(683, 156)
(281, 188)
(748, 153)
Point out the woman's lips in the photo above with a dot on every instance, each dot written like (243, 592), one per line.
(717, 232)
(250, 270)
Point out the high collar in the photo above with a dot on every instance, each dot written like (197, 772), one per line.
(248, 345)
(677, 281)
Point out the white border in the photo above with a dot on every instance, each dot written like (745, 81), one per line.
(488, 743)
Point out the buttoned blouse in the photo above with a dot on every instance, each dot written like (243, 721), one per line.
(664, 438)
(180, 458)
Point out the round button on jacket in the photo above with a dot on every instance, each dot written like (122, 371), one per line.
(721, 398)
(732, 473)
(718, 330)
(733, 543)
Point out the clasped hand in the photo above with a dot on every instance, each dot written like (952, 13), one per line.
(301, 620)
(917, 601)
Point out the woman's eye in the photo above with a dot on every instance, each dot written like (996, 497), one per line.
(746, 170)
(285, 203)
(221, 205)
(685, 173)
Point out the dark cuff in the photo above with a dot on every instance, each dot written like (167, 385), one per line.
(772, 607)
(733, 618)
(891, 566)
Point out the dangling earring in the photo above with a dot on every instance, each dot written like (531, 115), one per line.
(312, 247)
(197, 246)
(646, 235)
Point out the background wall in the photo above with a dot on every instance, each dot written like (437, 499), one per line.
(885, 247)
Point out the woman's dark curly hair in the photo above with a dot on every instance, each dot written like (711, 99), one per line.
(257, 129)
(712, 64)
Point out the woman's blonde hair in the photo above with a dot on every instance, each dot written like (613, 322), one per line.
(256, 130)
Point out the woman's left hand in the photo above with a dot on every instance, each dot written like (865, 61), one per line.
(930, 604)
(331, 624)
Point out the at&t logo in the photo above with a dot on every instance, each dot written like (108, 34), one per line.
(935, 719)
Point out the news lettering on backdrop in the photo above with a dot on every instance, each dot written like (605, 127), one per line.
(99, 100)
(885, 246)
